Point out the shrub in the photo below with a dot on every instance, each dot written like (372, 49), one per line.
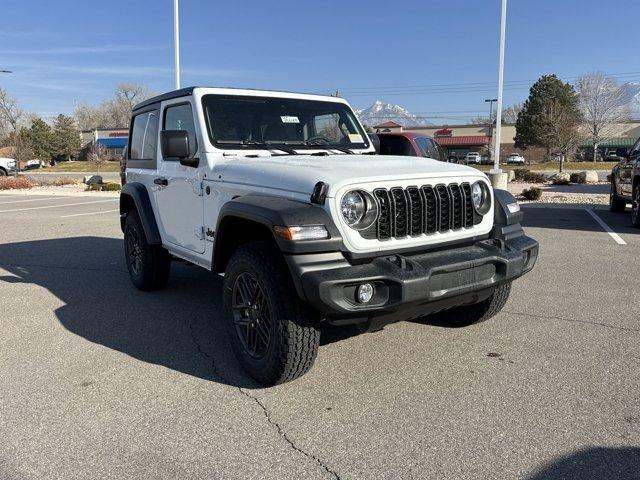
(533, 193)
(577, 178)
(17, 183)
(104, 187)
(94, 187)
(524, 175)
(561, 181)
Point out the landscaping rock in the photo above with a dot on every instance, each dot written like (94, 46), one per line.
(92, 180)
(589, 176)
(560, 178)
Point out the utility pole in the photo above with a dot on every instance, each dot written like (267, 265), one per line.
(490, 102)
(176, 43)
(497, 177)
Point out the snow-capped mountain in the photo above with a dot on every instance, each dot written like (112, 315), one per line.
(632, 92)
(381, 112)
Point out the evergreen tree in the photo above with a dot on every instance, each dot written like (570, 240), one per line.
(66, 137)
(550, 117)
(40, 139)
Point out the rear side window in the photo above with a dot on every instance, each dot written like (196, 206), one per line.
(180, 117)
(144, 136)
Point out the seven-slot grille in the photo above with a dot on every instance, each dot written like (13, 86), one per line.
(415, 211)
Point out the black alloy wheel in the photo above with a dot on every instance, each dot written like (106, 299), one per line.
(251, 315)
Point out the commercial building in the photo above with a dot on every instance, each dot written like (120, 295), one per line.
(114, 140)
(458, 140)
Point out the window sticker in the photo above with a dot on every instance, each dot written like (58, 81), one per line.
(289, 119)
(355, 138)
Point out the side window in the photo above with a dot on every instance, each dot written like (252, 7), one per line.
(144, 136)
(180, 117)
(635, 150)
(328, 126)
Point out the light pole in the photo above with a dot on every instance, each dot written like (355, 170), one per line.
(490, 102)
(503, 26)
(176, 43)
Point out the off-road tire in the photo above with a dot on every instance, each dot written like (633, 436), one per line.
(616, 204)
(635, 209)
(478, 312)
(293, 327)
(153, 263)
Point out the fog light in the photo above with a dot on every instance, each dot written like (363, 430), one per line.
(364, 293)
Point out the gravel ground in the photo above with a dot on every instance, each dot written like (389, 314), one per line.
(592, 194)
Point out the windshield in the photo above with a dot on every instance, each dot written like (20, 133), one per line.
(266, 122)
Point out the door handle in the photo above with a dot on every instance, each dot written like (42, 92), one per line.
(161, 181)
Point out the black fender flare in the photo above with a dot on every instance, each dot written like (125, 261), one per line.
(277, 211)
(135, 195)
(506, 224)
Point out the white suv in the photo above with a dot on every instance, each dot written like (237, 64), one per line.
(8, 166)
(473, 157)
(515, 159)
(285, 195)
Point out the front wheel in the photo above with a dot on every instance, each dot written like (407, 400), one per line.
(478, 312)
(616, 204)
(635, 209)
(273, 333)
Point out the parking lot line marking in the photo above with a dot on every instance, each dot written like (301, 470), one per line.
(90, 213)
(56, 206)
(32, 200)
(606, 227)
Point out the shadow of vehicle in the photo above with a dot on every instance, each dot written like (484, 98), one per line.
(593, 463)
(584, 188)
(180, 327)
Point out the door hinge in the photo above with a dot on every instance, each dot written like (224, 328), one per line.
(199, 232)
(198, 188)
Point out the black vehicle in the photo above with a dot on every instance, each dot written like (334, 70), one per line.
(625, 183)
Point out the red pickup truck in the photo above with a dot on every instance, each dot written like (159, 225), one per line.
(412, 145)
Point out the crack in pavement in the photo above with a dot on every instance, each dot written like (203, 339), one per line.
(264, 409)
(572, 320)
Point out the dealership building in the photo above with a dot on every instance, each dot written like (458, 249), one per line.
(114, 140)
(458, 140)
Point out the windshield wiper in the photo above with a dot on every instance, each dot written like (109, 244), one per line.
(307, 143)
(261, 145)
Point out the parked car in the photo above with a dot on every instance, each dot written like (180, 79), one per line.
(515, 159)
(473, 157)
(8, 166)
(625, 183)
(33, 164)
(283, 193)
(411, 145)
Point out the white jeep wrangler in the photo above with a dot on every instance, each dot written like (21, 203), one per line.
(285, 195)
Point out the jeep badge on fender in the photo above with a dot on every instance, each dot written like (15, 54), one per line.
(310, 225)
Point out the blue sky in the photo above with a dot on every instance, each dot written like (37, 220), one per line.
(436, 58)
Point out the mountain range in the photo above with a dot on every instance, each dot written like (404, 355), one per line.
(381, 112)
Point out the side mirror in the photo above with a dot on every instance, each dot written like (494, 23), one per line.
(174, 143)
(375, 141)
(622, 153)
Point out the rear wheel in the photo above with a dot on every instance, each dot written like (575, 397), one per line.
(148, 265)
(273, 333)
(616, 204)
(478, 312)
(2, 172)
(635, 209)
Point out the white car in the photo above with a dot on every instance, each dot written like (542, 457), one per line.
(515, 159)
(285, 195)
(473, 157)
(8, 166)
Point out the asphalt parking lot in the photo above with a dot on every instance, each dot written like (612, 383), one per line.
(98, 380)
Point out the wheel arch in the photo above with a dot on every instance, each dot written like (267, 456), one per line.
(134, 196)
(253, 218)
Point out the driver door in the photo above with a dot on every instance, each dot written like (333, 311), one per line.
(179, 187)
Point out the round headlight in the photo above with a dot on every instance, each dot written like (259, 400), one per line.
(480, 197)
(359, 209)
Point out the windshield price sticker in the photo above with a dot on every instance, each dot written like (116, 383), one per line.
(355, 138)
(289, 119)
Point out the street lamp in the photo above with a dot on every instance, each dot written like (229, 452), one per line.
(176, 43)
(490, 101)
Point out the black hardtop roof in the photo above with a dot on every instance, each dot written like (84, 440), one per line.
(183, 92)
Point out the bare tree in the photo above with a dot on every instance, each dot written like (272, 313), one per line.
(11, 115)
(112, 113)
(99, 155)
(603, 105)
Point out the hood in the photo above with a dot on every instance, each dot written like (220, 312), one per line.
(300, 173)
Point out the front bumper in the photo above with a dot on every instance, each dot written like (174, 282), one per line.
(412, 285)
(11, 170)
